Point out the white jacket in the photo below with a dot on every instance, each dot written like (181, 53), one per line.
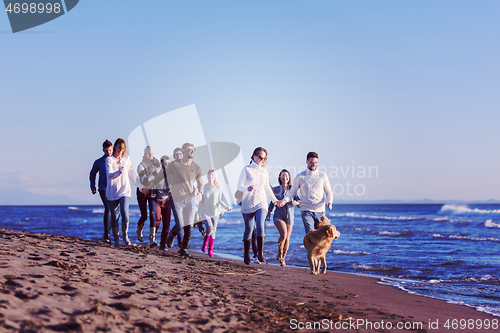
(258, 177)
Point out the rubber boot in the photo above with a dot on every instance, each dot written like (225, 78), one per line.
(260, 249)
(171, 237)
(205, 243)
(188, 230)
(211, 246)
(152, 242)
(116, 236)
(246, 251)
(126, 240)
(140, 237)
(184, 248)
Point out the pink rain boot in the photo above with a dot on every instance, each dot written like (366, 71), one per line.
(205, 243)
(211, 247)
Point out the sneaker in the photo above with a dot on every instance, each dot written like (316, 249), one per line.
(255, 260)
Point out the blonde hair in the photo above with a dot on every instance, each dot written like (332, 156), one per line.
(216, 178)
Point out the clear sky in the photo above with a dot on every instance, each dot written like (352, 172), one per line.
(408, 87)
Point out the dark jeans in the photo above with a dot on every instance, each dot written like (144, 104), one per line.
(143, 202)
(107, 213)
(164, 207)
(180, 235)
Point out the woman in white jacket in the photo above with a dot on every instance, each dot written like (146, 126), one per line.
(118, 171)
(254, 183)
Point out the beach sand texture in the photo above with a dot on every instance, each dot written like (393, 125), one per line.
(66, 284)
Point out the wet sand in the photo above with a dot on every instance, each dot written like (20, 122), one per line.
(65, 284)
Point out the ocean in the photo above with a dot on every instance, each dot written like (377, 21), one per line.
(445, 251)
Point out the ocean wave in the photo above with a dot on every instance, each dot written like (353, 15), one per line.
(73, 208)
(442, 219)
(224, 221)
(380, 268)
(98, 210)
(463, 209)
(351, 252)
(491, 224)
(378, 217)
(395, 233)
(488, 278)
(465, 238)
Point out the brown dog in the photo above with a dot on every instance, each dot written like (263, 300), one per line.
(318, 242)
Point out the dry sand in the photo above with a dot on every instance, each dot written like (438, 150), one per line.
(66, 284)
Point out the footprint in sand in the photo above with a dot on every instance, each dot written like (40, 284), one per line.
(68, 287)
(122, 296)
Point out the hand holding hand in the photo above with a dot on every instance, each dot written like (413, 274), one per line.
(228, 209)
(280, 203)
(295, 202)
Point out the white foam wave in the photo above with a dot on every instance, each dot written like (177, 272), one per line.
(474, 239)
(350, 252)
(394, 233)
(489, 277)
(388, 233)
(463, 209)
(73, 208)
(377, 217)
(98, 210)
(491, 224)
(224, 221)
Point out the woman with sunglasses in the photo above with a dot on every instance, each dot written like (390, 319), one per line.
(283, 216)
(254, 183)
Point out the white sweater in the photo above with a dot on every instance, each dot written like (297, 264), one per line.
(118, 182)
(258, 177)
(312, 185)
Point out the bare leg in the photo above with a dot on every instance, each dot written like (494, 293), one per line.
(286, 243)
(281, 226)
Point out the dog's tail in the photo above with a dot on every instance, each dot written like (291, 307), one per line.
(324, 221)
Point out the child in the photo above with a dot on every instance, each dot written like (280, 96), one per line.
(210, 208)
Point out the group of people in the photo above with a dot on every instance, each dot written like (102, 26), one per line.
(163, 187)
(307, 191)
(177, 187)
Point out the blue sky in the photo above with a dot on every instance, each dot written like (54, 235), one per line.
(408, 87)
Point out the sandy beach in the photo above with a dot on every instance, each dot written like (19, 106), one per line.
(57, 283)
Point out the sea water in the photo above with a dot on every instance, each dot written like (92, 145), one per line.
(446, 251)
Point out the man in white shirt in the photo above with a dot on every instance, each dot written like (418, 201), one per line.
(312, 184)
